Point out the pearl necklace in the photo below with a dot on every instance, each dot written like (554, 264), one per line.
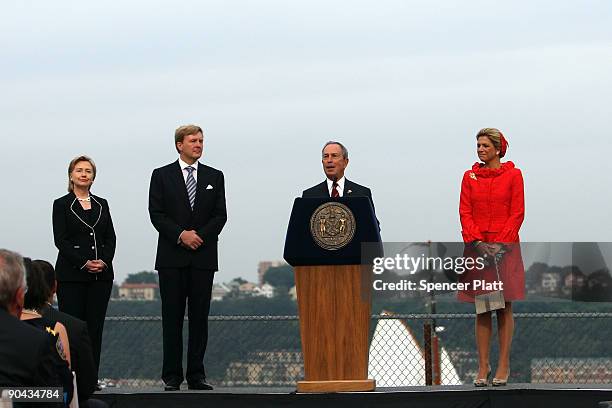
(88, 198)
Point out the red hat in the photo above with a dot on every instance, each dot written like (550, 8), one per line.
(504, 145)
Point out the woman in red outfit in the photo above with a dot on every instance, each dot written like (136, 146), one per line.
(492, 208)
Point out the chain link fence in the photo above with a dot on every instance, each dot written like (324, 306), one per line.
(405, 350)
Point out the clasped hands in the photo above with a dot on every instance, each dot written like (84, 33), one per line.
(95, 266)
(190, 240)
(488, 248)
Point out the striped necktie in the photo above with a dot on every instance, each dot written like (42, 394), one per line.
(335, 193)
(191, 185)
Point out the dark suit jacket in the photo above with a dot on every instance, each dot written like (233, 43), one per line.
(81, 353)
(351, 189)
(79, 239)
(24, 354)
(171, 214)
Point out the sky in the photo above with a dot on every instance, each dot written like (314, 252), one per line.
(405, 85)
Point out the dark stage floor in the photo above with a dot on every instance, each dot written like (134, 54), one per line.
(464, 396)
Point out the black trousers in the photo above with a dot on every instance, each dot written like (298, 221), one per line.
(87, 301)
(177, 287)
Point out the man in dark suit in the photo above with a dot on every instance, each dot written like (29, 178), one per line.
(81, 354)
(335, 160)
(187, 208)
(24, 351)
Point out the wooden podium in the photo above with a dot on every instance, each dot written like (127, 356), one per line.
(333, 300)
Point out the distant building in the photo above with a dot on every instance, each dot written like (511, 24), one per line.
(293, 293)
(266, 290)
(571, 370)
(550, 282)
(574, 282)
(138, 291)
(219, 291)
(249, 289)
(263, 267)
(265, 368)
(246, 289)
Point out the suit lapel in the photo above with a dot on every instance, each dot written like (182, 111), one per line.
(200, 186)
(79, 212)
(177, 175)
(324, 189)
(96, 206)
(348, 190)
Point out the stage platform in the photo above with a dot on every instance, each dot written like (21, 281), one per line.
(464, 396)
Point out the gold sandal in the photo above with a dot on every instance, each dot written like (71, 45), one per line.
(500, 382)
(482, 382)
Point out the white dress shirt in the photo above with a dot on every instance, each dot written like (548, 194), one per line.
(186, 173)
(340, 187)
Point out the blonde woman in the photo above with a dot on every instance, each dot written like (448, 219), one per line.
(492, 208)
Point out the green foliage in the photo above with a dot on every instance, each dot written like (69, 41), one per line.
(142, 277)
(281, 277)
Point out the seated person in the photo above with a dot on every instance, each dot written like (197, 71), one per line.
(81, 354)
(34, 300)
(24, 351)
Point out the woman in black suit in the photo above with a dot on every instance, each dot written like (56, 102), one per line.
(84, 235)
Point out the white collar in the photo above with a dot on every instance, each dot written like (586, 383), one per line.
(185, 165)
(340, 183)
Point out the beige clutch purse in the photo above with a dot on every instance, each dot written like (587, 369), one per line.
(488, 302)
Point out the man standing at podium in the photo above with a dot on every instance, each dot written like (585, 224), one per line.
(334, 339)
(335, 159)
(187, 208)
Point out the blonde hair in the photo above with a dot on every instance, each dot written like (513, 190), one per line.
(73, 164)
(185, 130)
(495, 136)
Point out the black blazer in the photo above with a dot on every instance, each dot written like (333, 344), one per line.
(79, 239)
(171, 214)
(351, 189)
(24, 354)
(81, 354)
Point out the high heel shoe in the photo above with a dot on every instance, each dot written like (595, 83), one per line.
(500, 382)
(483, 382)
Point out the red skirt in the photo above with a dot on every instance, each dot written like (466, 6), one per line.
(511, 274)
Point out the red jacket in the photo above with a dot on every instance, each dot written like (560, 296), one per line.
(492, 202)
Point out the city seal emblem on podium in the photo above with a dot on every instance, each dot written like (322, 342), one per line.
(332, 225)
